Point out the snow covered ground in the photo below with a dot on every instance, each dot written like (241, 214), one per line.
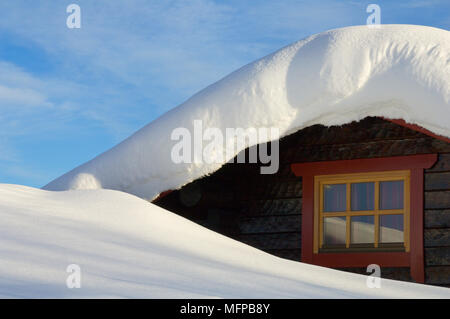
(127, 247)
(331, 78)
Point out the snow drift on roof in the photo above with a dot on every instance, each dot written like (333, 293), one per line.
(331, 78)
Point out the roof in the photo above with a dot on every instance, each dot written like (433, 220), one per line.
(397, 72)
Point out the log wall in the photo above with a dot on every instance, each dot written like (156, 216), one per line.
(437, 222)
(264, 211)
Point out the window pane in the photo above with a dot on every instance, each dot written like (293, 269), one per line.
(334, 230)
(363, 196)
(391, 229)
(391, 195)
(334, 198)
(362, 230)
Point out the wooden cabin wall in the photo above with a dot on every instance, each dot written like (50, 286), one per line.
(437, 222)
(264, 211)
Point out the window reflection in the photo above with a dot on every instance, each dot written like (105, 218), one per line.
(334, 230)
(391, 229)
(362, 229)
(334, 198)
(363, 196)
(391, 195)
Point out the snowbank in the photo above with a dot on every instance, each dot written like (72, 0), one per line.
(332, 78)
(127, 247)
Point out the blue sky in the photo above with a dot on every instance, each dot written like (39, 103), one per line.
(67, 95)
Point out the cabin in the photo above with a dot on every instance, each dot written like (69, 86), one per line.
(371, 192)
(375, 191)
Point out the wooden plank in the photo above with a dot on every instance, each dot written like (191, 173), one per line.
(437, 275)
(437, 218)
(272, 241)
(245, 171)
(443, 164)
(368, 129)
(439, 199)
(273, 207)
(271, 224)
(437, 237)
(284, 171)
(273, 188)
(421, 129)
(280, 189)
(438, 256)
(385, 148)
(437, 181)
(400, 273)
(440, 146)
(223, 198)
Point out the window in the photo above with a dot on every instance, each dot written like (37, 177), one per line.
(362, 212)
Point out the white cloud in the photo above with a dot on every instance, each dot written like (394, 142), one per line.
(21, 97)
(177, 46)
(420, 3)
(18, 88)
(7, 152)
(25, 99)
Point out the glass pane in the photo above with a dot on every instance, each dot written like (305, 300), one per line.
(363, 196)
(362, 230)
(391, 229)
(334, 230)
(334, 198)
(391, 195)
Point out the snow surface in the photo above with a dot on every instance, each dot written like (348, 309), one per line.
(128, 247)
(332, 78)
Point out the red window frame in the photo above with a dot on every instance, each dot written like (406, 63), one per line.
(414, 258)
